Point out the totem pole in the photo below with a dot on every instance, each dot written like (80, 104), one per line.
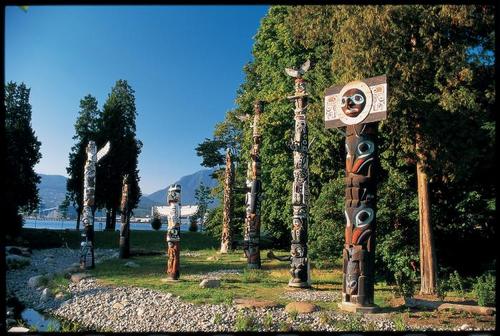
(173, 231)
(87, 245)
(358, 105)
(125, 221)
(251, 237)
(300, 268)
(227, 229)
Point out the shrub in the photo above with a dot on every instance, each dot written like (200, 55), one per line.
(484, 289)
(441, 289)
(405, 284)
(156, 221)
(193, 225)
(456, 283)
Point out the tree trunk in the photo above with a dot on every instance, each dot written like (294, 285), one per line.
(108, 220)
(227, 231)
(78, 214)
(113, 219)
(428, 267)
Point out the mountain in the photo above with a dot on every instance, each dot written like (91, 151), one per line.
(189, 184)
(52, 190)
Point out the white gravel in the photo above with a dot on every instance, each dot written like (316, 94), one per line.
(133, 309)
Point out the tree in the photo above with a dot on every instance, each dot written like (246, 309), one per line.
(156, 220)
(86, 128)
(117, 125)
(203, 199)
(63, 207)
(22, 154)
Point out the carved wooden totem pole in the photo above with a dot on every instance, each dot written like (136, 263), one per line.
(173, 231)
(358, 105)
(125, 220)
(89, 180)
(300, 268)
(227, 216)
(251, 235)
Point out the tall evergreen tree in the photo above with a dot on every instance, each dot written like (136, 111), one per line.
(86, 129)
(22, 154)
(117, 125)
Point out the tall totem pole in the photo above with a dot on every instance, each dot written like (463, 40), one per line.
(252, 219)
(125, 220)
(300, 268)
(358, 105)
(87, 244)
(227, 228)
(173, 231)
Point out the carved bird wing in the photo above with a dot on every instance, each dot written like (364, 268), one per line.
(104, 150)
(304, 67)
(291, 72)
(243, 117)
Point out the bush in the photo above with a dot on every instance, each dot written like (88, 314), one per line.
(193, 225)
(456, 283)
(156, 223)
(405, 284)
(484, 289)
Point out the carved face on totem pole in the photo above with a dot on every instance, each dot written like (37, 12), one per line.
(91, 151)
(353, 102)
(174, 194)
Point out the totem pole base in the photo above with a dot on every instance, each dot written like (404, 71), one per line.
(253, 266)
(355, 308)
(299, 284)
(169, 280)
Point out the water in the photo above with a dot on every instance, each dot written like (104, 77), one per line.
(98, 226)
(39, 321)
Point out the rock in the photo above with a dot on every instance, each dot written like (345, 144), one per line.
(301, 307)
(37, 281)
(118, 306)
(18, 329)
(77, 277)
(132, 264)
(49, 260)
(14, 261)
(251, 303)
(210, 283)
(140, 311)
(465, 327)
(59, 296)
(13, 250)
(46, 295)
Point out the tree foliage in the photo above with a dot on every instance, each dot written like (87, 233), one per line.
(22, 154)
(439, 62)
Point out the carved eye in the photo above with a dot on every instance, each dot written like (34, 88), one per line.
(365, 148)
(358, 99)
(364, 217)
(343, 101)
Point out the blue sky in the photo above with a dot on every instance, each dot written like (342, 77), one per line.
(184, 63)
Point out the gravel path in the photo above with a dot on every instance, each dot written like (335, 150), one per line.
(133, 309)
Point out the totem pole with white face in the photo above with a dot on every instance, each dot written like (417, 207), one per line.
(358, 106)
(173, 231)
(300, 267)
(89, 180)
(251, 235)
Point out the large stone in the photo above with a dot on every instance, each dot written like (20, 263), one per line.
(118, 305)
(77, 277)
(60, 296)
(13, 250)
(132, 264)
(301, 307)
(46, 295)
(14, 261)
(18, 329)
(37, 281)
(210, 283)
(252, 303)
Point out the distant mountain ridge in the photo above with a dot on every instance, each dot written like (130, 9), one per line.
(189, 184)
(52, 190)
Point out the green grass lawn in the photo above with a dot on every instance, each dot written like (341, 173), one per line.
(269, 283)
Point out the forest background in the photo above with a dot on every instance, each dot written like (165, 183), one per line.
(440, 67)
